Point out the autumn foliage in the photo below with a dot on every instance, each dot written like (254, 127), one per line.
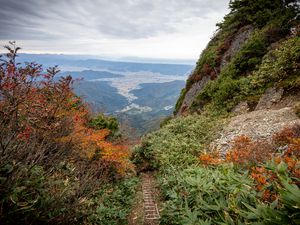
(51, 160)
(36, 105)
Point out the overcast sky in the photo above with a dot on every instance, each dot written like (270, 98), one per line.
(167, 29)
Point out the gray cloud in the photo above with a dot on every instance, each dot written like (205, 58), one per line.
(84, 19)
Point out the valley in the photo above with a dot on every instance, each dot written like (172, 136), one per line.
(138, 94)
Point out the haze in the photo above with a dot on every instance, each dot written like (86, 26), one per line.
(120, 29)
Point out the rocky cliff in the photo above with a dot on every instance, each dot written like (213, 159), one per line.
(250, 70)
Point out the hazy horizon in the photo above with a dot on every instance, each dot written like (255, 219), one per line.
(176, 30)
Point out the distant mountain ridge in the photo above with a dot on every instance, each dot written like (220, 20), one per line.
(139, 93)
(99, 64)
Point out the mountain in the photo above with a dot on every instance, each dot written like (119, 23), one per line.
(230, 154)
(90, 74)
(141, 94)
(101, 96)
(66, 62)
(159, 96)
(155, 102)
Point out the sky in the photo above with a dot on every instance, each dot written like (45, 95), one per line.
(156, 29)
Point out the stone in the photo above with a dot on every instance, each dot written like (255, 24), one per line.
(270, 98)
(257, 125)
(241, 108)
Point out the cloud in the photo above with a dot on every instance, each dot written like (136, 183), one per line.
(80, 21)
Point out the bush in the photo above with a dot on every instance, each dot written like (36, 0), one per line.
(112, 203)
(104, 122)
(180, 100)
(281, 66)
(199, 195)
(179, 142)
(51, 163)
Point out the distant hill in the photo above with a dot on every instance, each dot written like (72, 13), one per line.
(159, 86)
(100, 95)
(90, 74)
(98, 64)
(158, 96)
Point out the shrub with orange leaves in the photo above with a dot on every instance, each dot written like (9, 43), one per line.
(51, 160)
(210, 158)
(93, 143)
(285, 136)
(247, 152)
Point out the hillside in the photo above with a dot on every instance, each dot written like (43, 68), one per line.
(121, 89)
(231, 154)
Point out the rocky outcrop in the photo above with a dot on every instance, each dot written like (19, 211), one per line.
(192, 93)
(270, 98)
(241, 108)
(258, 125)
(236, 44)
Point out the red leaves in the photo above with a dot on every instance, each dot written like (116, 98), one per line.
(25, 134)
(35, 106)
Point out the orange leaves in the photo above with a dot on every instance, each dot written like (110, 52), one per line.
(245, 151)
(210, 159)
(92, 142)
(286, 135)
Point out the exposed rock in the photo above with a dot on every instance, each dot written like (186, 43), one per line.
(241, 108)
(270, 98)
(236, 44)
(193, 92)
(261, 124)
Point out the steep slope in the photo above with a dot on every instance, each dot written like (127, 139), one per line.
(241, 50)
(231, 154)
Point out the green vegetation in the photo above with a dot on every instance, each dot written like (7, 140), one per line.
(279, 67)
(198, 195)
(40, 197)
(113, 202)
(178, 143)
(180, 100)
(226, 192)
(269, 28)
(249, 186)
(104, 122)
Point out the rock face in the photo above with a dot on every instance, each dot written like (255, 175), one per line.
(270, 98)
(260, 124)
(241, 108)
(236, 44)
(193, 92)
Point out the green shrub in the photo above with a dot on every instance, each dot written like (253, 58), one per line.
(180, 100)
(280, 65)
(259, 12)
(178, 143)
(113, 203)
(104, 122)
(166, 121)
(198, 194)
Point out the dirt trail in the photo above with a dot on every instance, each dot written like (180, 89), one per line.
(151, 213)
(146, 211)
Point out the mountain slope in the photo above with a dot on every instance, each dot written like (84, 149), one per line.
(231, 154)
